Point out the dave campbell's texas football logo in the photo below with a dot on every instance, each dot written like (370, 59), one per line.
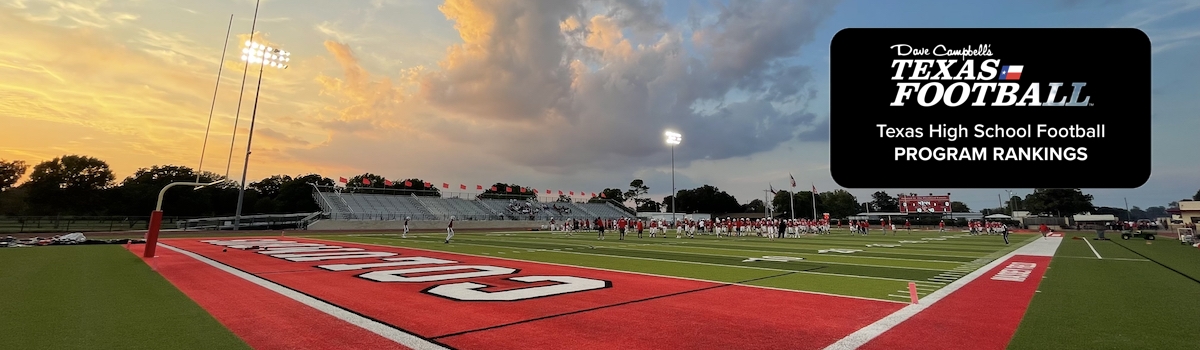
(984, 82)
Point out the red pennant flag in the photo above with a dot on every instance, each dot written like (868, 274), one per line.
(343, 180)
(462, 186)
(525, 190)
(814, 188)
(547, 191)
(560, 192)
(407, 183)
(593, 194)
(480, 187)
(387, 182)
(428, 185)
(508, 189)
(445, 185)
(572, 193)
(366, 181)
(602, 195)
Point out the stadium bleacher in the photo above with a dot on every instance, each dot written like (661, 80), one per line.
(338, 204)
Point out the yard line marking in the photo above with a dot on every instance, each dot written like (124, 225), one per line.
(1089, 243)
(815, 261)
(612, 270)
(752, 249)
(1032, 246)
(391, 333)
(703, 263)
(898, 296)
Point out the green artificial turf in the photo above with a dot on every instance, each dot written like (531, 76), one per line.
(97, 297)
(1121, 301)
(872, 271)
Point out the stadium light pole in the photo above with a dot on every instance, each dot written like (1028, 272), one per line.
(263, 56)
(673, 139)
(1012, 207)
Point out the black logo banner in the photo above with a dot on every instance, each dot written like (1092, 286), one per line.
(990, 108)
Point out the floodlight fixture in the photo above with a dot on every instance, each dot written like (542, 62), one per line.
(265, 55)
(673, 138)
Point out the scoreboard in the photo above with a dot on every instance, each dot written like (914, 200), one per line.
(924, 204)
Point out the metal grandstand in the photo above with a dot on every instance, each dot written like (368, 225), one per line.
(338, 203)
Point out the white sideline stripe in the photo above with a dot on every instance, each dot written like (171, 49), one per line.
(1089, 258)
(1089, 243)
(868, 333)
(611, 270)
(393, 334)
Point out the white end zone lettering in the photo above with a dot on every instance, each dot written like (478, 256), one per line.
(463, 291)
(469, 291)
(332, 256)
(1015, 272)
(273, 251)
(399, 275)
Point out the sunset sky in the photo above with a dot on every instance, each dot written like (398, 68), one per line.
(563, 94)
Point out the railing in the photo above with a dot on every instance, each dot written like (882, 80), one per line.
(389, 216)
(66, 224)
(261, 221)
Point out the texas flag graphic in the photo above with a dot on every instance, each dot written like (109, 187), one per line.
(1011, 72)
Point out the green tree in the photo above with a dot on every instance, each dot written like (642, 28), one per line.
(73, 172)
(562, 198)
(649, 205)
(637, 189)
(959, 207)
(1196, 197)
(13, 202)
(1157, 212)
(781, 203)
(71, 185)
(610, 193)
(883, 202)
(706, 199)
(1015, 203)
(838, 203)
(296, 196)
(11, 172)
(755, 206)
(270, 187)
(138, 193)
(1059, 201)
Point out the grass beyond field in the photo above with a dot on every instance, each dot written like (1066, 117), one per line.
(869, 271)
(97, 297)
(1122, 300)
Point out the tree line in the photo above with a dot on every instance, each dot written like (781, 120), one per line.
(86, 186)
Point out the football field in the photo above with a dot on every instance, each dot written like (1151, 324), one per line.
(542, 290)
(872, 266)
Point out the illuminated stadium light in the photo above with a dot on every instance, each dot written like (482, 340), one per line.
(256, 53)
(673, 138)
(264, 56)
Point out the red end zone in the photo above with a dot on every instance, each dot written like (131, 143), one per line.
(477, 302)
(983, 314)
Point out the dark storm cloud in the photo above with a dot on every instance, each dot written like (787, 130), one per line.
(586, 96)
